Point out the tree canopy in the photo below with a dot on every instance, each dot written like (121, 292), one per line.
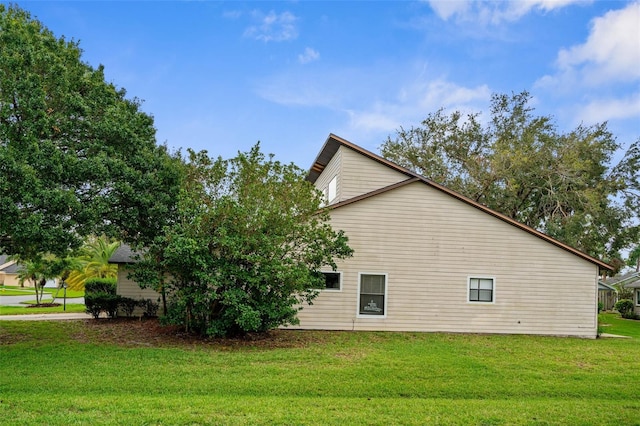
(520, 164)
(76, 156)
(246, 249)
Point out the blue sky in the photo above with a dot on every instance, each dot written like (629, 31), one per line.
(221, 76)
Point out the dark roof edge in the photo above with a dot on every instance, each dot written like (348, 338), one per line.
(124, 255)
(334, 142)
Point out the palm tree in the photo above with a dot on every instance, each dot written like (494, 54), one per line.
(94, 262)
(38, 271)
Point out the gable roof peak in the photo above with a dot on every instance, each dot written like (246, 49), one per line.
(334, 142)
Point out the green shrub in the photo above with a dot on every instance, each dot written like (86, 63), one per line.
(127, 305)
(600, 306)
(149, 306)
(97, 302)
(630, 315)
(100, 285)
(93, 305)
(111, 303)
(624, 306)
(624, 292)
(100, 296)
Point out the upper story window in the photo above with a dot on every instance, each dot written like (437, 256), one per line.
(332, 192)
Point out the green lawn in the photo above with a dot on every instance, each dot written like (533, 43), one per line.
(26, 291)
(20, 310)
(611, 323)
(342, 378)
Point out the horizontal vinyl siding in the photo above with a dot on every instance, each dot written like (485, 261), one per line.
(332, 169)
(128, 288)
(429, 244)
(361, 175)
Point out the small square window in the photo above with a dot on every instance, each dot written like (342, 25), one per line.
(332, 280)
(481, 290)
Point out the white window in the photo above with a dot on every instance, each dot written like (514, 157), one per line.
(481, 289)
(332, 280)
(372, 295)
(333, 189)
(638, 297)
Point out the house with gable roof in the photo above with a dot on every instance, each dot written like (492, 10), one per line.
(429, 259)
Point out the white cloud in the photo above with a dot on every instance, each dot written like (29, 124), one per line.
(493, 12)
(273, 26)
(604, 70)
(446, 9)
(309, 55)
(608, 109)
(612, 50)
(414, 101)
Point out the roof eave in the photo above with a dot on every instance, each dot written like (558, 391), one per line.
(334, 142)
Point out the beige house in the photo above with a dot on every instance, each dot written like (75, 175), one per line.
(123, 257)
(9, 270)
(429, 259)
(10, 274)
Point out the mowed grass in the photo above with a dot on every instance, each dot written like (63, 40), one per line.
(612, 323)
(49, 292)
(60, 373)
(24, 310)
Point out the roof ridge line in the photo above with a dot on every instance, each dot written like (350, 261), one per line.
(332, 144)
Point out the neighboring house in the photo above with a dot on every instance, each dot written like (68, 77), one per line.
(607, 295)
(635, 286)
(9, 271)
(429, 259)
(631, 281)
(9, 274)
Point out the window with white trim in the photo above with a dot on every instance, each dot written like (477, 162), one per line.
(333, 189)
(372, 295)
(332, 280)
(481, 289)
(638, 297)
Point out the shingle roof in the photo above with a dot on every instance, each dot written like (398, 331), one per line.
(334, 142)
(633, 284)
(628, 277)
(124, 254)
(13, 268)
(604, 286)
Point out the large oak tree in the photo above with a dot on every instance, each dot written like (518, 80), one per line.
(564, 184)
(77, 157)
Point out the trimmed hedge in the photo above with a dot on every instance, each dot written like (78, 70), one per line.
(100, 296)
(100, 285)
